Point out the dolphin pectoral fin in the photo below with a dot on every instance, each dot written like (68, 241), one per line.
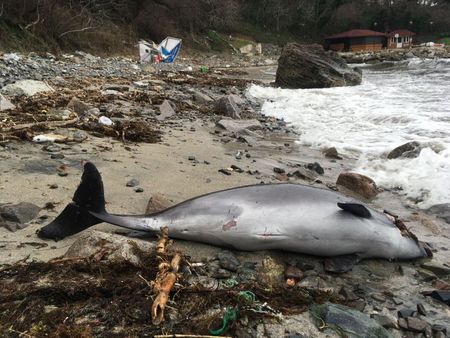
(340, 264)
(356, 209)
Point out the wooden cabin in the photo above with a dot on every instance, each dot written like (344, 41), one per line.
(400, 38)
(356, 40)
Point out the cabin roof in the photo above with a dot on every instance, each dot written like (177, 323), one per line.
(356, 33)
(401, 32)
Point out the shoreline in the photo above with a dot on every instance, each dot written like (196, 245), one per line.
(186, 163)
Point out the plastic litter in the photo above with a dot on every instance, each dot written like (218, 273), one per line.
(106, 121)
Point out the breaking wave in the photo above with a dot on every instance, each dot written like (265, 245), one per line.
(396, 103)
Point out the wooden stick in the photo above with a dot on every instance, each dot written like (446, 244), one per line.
(43, 123)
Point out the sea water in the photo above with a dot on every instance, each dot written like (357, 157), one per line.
(396, 103)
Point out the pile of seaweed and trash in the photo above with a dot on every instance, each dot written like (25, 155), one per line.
(155, 293)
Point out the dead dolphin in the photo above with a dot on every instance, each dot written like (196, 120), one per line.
(289, 217)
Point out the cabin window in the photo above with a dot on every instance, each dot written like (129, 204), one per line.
(400, 40)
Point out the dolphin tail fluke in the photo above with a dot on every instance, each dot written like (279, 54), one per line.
(77, 216)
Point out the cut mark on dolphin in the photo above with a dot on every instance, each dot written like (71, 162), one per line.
(229, 225)
(289, 217)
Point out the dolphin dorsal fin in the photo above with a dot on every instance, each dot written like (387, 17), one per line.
(356, 209)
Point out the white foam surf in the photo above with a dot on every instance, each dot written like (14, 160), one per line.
(396, 103)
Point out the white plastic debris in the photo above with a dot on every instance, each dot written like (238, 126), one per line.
(106, 121)
(49, 138)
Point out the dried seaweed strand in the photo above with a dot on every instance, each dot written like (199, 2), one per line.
(165, 278)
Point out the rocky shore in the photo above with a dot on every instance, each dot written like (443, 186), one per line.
(397, 54)
(160, 135)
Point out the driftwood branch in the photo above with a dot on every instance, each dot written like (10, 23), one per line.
(166, 277)
(43, 123)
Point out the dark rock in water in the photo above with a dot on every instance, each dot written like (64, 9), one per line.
(407, 150)
(332, 153)
(226, 106)
(132, 183)
(360, 184)
(309, 66)
(228, 261)
(441, 211)
(315, 167)
(15, 216)
(352, 322)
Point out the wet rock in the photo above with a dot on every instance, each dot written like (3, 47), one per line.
(352, 322)
(360, 184)
(139, 190)
(407, 150)
(157, 202)
(165, 111)
(309, 66)
(239, 126)
(26, 87)
(332, 153)
(440, 270)
(416, 324)
(315, 167)
(202, 98)
(52, 148)
(271, 272)
(270, 331)
(302, 325)
(78, 106)
(22, 212)
(404, 313)
(226, 172)
(57, 156)
(227, 107)
(304, 174)
(278, 170)
(386, 321)
(441, 211)
(437, 329)
(348, 294)
(379, 297)
(5, 104)
(441, 295)
(132, 183)
(227, 260)
(118, 249)
(421, 309)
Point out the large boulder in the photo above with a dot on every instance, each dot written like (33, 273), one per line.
(26, 87)
(309, 66)
(359, 184)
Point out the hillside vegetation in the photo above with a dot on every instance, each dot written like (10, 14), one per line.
(111, 26)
